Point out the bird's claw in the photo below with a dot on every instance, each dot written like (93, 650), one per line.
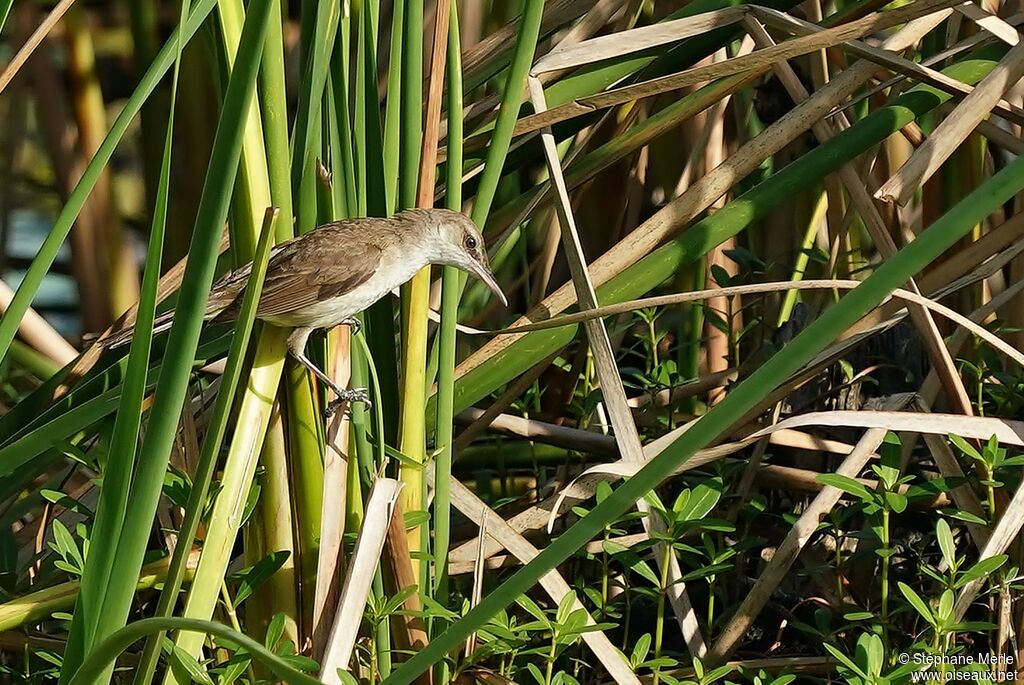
(347, 397)
(354, 324)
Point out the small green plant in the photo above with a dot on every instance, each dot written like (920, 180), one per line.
(939, 615)
(761, 677)
(686, 516)
(992, 459)
(868, 665)
(600, 597)
(957, 574)
(702, 676)
(565, 626)
(879, 505)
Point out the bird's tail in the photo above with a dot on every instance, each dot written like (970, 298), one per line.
(123, 335)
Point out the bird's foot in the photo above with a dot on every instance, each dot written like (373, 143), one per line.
(354, 324)
(347, 397)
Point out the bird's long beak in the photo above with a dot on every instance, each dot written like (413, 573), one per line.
(483, 272)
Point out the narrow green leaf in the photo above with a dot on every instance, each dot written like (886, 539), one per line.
(175, 372)
(944, 535)
(112, 646)
(847, 484)
(915, 601)
(982, 569)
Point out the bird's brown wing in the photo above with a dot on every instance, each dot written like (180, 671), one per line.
(302, 280)
(322, 264)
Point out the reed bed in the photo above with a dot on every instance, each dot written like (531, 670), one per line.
(751, 415)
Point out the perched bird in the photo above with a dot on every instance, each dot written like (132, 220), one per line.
(326, 276)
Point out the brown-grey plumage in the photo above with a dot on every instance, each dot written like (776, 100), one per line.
(325, 263)
(330, 274)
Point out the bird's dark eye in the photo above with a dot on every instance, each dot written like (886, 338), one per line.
(470, 242)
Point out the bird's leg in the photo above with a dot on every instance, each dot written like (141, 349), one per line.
(296, 346)
(354, 324)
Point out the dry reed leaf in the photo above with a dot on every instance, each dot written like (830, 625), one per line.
(380, 506)
(879, 231)
(556, 13)
(944, 55)
(813, 284)
(479, 565)
(594, 443)
(33, 42)
(979, 427)
(477, 59)
(583, 488)
(596, 19)
(889, 60)
(38, 333)
(330, 557)
(635, 40)
(990, 22)
(614, 394)
(982, 428)
(952, 132)
(612, 390)
(758, 62)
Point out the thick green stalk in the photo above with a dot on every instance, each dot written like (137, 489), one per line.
(511, 101)
(411, 104)
(239, 471)
(416, 293)
(381, 173)
(346, 178)
(393, 111)
(500, 141)
(890, 275)
(360, 16)
(314, 78)
(274, 112)
(451, 288)
(252, 187)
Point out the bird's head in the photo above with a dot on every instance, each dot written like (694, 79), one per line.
(460, 244)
